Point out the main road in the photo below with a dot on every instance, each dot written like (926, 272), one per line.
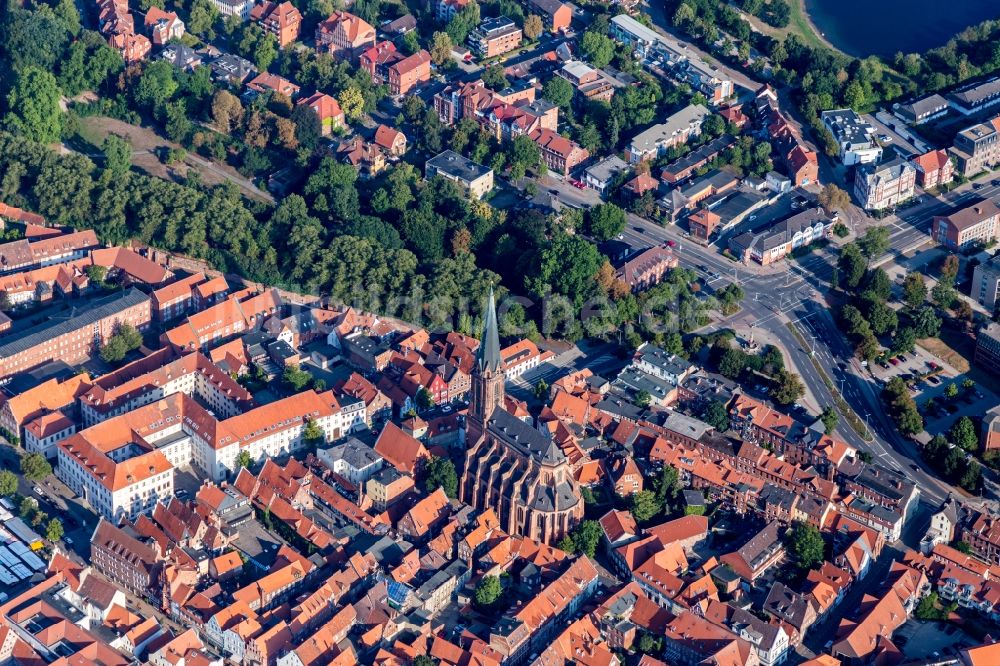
(781, 301)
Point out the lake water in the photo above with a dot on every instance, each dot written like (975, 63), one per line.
(884, 27)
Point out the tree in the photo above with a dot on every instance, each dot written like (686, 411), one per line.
(265, 51)
(559, 91)
(852, 265)
(944, 295)
(201, 18)
(833, 198)
(54, 531)
(227, 112)
(423, 659)
(295, 377)
(914, 289)
(642, 398)
(904, 341)
(157, 85)
(488, 592)
(874, 243)
(567, 266)
(313, 434)
(96, 274)
(667, 487)
(963, 547)
(34, 467)
(789, 388)
(963, 433)
(605, 221)
(716, 415)
(352, 103)
(117, 155)
(949, 269)
(951, 391)
(829, 419)
(732, 363)
(926, 323)
(541, 389)
(532, 26)
(644, 505)
(8, 483)
(597, 48)
(33, 105)
(494, 79)
(243, 459)
(440, 473)
(806, 544)
(586, 537)
(441, 48)
(113, 350)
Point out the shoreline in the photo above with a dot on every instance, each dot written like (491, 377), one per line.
(805, 21)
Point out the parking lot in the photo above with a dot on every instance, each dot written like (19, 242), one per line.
(929, 377)
(931, 640)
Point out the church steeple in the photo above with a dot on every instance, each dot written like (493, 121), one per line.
(487, 376)
(488, 354)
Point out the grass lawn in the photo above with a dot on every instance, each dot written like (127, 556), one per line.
(799, 25)
(952, 350)
(803, 27)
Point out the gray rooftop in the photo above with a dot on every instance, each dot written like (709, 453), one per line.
(355, 453)
(686, 425)
(847, 126)
(607, 168)
(977, 94)
(690, 116)
(924, 106)
(451, 163)
(76, 319)
(663, 360)
(518, 434)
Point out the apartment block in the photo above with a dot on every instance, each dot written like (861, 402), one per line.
(853, 135)
(282, 20)
(560, 154)
(677, 130)
(400, 72)
(75, 337)
(495, 36)
(986, 283)
(475, 178)
(977, 148)
(988, 348)
(877, 187)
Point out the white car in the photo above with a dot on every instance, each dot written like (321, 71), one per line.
(38, 490)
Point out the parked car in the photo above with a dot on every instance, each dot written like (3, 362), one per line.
(894, 361)
(933, 380)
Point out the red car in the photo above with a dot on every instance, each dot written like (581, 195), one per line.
(578, 184)
(894, 361)
(671, 243)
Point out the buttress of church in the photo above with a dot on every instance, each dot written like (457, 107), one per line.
(511, 467)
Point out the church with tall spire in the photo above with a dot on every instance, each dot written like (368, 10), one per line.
(511, 467)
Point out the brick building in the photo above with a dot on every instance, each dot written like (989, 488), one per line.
(400, 72)
(75, 338)
(282, 20)
(560, 154)
(978, 223)
(344, 35)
